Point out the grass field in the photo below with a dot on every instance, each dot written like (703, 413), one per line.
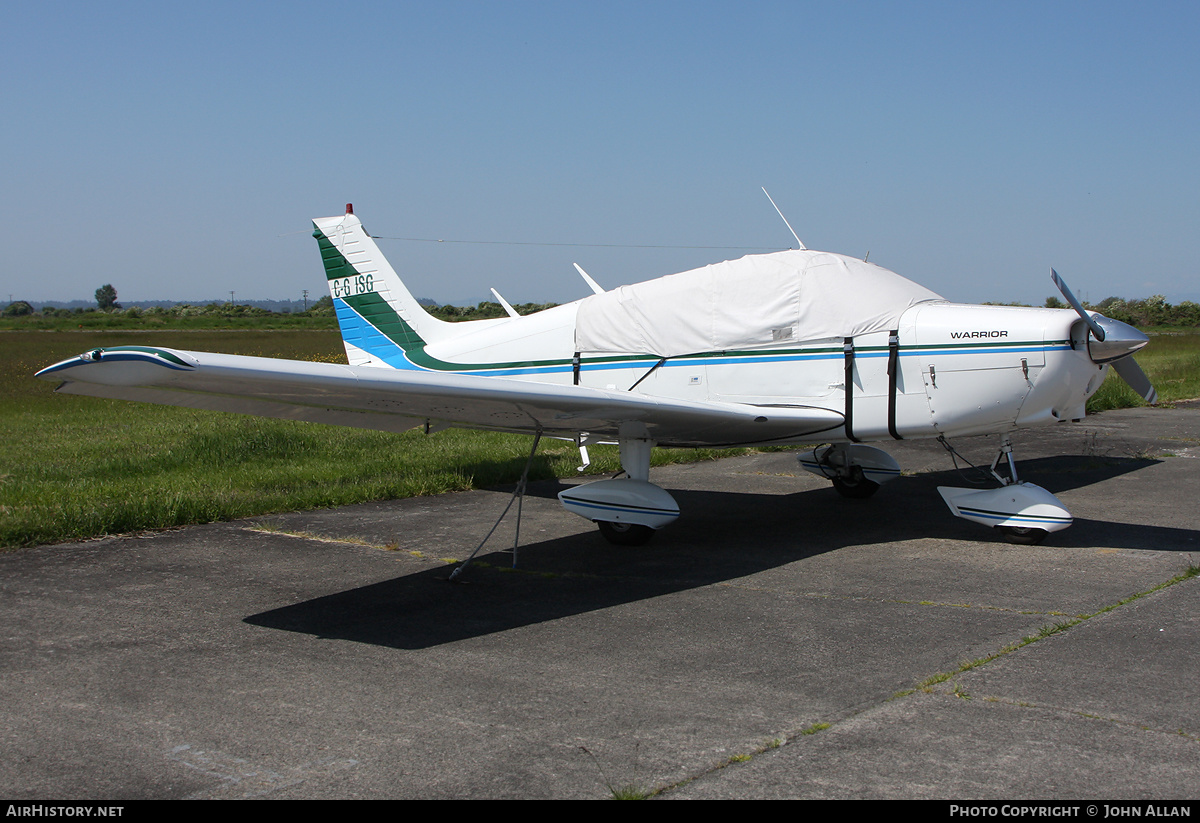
(77, 467)
(1172, 361)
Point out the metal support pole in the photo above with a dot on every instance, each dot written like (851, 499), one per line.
(518, 495)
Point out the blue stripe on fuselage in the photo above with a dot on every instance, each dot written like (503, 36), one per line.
(360, 332)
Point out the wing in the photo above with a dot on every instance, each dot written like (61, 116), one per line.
(373, 398)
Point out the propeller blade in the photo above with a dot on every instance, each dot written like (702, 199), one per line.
(1132, 374)
(1075, 304)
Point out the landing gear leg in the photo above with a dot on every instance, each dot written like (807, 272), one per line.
(635, 460)
(1020, 535)
(1005, 453)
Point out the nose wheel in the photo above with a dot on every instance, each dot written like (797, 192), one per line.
(1022, 536)
(625, 534)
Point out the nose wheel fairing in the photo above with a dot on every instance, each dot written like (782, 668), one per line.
(624, 501)
(1023, 512)
(1020, 510)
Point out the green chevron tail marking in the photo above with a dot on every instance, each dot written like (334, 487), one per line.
(336, 265)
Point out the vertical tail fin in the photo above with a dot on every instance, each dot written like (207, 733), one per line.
(379, 318)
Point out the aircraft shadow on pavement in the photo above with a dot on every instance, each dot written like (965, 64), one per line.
(722, 536)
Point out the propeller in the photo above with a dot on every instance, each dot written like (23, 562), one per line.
(1076, 305)
(1112, 342)
(1132, 374)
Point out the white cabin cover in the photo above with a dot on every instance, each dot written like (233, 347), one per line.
(759, 300)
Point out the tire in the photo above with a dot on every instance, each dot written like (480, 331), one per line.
(856, 486)
(1022, 535)
(625, 534)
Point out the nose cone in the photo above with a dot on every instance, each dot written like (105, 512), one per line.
(1120, 340)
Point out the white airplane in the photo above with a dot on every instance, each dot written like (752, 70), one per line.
(792, 347)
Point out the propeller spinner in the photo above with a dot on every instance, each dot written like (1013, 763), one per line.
(1112, 342)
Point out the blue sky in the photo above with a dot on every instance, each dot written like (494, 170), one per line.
(180, 150)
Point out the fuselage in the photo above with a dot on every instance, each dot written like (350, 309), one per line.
(962, 369)
(797, 328)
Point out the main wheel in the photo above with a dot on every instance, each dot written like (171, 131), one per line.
(1023, 535)
(856, 485)
(625, 534)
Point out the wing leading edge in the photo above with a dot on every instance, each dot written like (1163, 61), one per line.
(386, 400)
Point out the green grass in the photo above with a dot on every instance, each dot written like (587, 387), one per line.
(1171, 361)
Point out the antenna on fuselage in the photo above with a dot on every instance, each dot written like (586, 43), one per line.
(785, 220)
(509, 310)
(592, 284)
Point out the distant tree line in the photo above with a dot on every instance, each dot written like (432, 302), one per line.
(318, 308)
(484, 311)
(1147, 312)
(1150, 311)
(321, 307)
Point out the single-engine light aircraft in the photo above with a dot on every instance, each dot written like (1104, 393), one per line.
(791, 347)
